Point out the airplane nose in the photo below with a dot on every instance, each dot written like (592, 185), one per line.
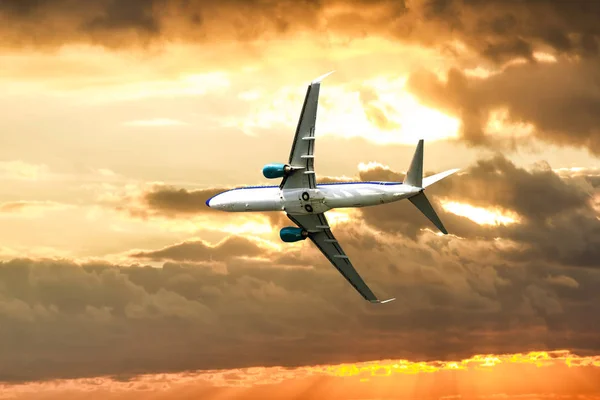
(211, 202)
(215, 202)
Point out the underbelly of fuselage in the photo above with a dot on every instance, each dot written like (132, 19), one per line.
(308, 201)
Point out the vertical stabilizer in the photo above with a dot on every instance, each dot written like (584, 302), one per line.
(422, 203)
(414, 175)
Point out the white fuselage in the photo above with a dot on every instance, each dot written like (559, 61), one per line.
(325, 197)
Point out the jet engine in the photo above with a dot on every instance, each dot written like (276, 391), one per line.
(272, 171)
(291, 234)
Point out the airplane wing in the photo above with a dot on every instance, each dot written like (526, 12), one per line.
(303, 147)
(319, 232)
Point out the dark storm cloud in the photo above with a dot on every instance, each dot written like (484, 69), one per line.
(557, 223)
(56, 316)
(497, 29)
(561, 100)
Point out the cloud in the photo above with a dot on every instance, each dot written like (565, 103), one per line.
(201, 251)
(562, 280)
(497, 30)
(562, 111)
(564, 229)
(238, 304)
(172, 201)
(30, 207)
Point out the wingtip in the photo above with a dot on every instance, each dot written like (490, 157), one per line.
(319, 79)
(382, 301)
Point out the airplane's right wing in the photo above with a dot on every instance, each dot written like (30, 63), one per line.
(319, 232)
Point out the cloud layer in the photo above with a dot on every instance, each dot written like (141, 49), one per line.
(497, 30)
(246, 302)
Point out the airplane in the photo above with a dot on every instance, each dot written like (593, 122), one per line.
(305, 201)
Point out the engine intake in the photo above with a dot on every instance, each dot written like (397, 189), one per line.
(276, 170)
(292, 234)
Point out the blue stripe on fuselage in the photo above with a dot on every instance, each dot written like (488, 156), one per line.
(324, 184)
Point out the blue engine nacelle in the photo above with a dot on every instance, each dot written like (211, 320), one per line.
(291, 234)
(272, 171)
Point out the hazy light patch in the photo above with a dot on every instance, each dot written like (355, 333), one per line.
(241, 228)
(363, 167)
(544, 57)
(342, 178)
(155, 122)
(250, 95)
(480, 72)
(340, 216)
(19, 170)
(33, 252)
(577, 171)
(499, 124)
(265, 243)
(186, 85)
(401, 118)
(562, 280)
(404, 119)
(106, 172)
(596, 203)
(484, 73)
(479, 215)
(31, 209)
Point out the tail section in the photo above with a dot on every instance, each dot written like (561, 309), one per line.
(414, 177)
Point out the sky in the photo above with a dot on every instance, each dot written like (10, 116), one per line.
(120, 118)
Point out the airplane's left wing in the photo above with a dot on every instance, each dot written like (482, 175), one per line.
(319, 232)
(303, 147)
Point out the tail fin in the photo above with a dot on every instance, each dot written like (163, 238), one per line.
(414, 177)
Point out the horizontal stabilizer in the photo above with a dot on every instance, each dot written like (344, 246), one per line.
(422, 203)
(430, 180)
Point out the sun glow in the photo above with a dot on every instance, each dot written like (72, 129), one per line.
(381, 111)
(363, 167)
(481, 376)
(499, 124)
(340, 216)
(479, 215)
(389, 367)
